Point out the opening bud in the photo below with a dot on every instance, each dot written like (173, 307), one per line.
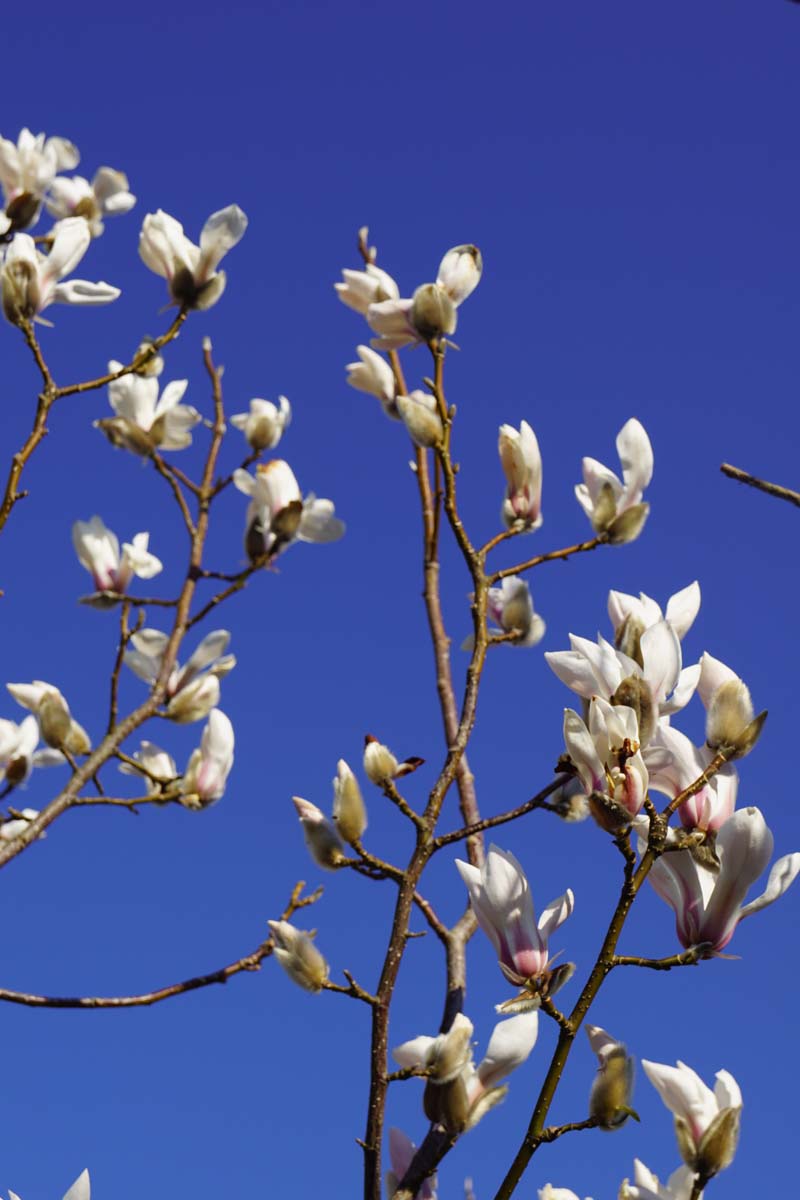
(320, 836)
(628, 525)
(731, 728)
(299, 957)
(718, 1144)
(460, 272)
(380, 765)
(421, 418)
(349, 810)
(629, 638)
(433, 313)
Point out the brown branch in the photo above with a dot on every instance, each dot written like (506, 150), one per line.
(353, 989)
(689, 958)
(579, 548)
(161, 467)
(238, 582)
(250, 962)
(772, 489)
(553, 1132)
(38, 432)
(537, 801)
(141, 359)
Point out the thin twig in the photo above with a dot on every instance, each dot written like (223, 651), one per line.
(141, 359)
(537, 801)
(772, 489)
(551, 556)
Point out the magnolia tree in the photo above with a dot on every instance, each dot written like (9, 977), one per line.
(665, 809)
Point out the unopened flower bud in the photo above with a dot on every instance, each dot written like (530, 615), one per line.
(433, 313)
(349, 811)
(421, 418)
(605, 508)
(54, 720)
(194, 701)
(152, 365)
(460, 272)
(634, 692)
(610, 1098)
(298, 956)
(380, 765)
(320, 836)
(20, 285)
(628, 525)
(731, 728)
(23, 210)
(124, 435)
(718, 1144)
(451, 1051)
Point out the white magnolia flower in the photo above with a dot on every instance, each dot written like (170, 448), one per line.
(209, 766)
(675, 763)
(631, 615)
(362, 288)
(511, 607)
(97, 549)
(706, 1122)
(374, 376)
(522, 466)
(27, 168)
(460, 272)
(278, 515)
(420, 415)
(144, 420)
(646, 1185)
(192, 690)
(157, 767)
(190, 270)
(30, 280)
(731, 725)
(264, 424)
(106, 196)
(18, 754)
(391, 320)
(615, 507)
(321, 838)
(58, 727)
(80, 1189)
(606, 756)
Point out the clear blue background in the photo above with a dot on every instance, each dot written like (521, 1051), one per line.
(630, 172)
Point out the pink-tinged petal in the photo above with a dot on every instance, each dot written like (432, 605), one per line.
(744, 847)
(683, 607)
(581, 749)
(781, 877)
(70, 243)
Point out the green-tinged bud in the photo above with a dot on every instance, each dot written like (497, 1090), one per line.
(628, 525)
(629, 638)
(485, 1102)
(421, 418)
(54, 720)
(299, 957)
(605, 508)
(433, 313)
(286, 521)
(731, 728)
(447, 1104)
(686, 1145)
(123, 434)
(22, 210)
(634, 692)
(610, 1097)
(718, 1144)
(349, 810)
(77, 740)
(20, 283)
(608, 813)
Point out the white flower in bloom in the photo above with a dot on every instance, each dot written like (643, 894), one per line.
(209, 766)
(706, 1122)
(374, 376)
(106, 196)
(190, 270)
(278, 515)
(391, 320)
(362, 288)
(522, 466)
(612, 506)
(80, 1189)
(27, 168)
(144, 420)
(97, 549)
(675, 763)
(641, 611)
(30, 280)
(192, 690)
(606, 754)
(156, 766)
(18, 754)
(264, 424)
(14, 826)
(646, 1186)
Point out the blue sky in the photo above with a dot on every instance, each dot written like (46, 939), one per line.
(630, 173)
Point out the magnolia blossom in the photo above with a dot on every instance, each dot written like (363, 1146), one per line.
(299, 957)
(401, 1155)
(264, 424)
(511, 607)
(323, 842)
(457, 1093)
(80, 1189)
(349, 810)
(18, 753)
(30, 280)
(190, 270)
(610, 1098)
(657, 687)
(632, 615)
(97, 549)
(144, 420)
(615, 508)
(11, 829)
(58, 727)
(431, 311)
(460, 272)
(360, 289)
(646, 1186)
(731, 726)
(156, 766)
(522, 466)
(391, 320)
(192, 690)
(209, 766)
(420, 414)
(706, 1122)
(502, 903)
(106, 196)
(278, 515)
(606, 757)
(374, 376)
(709, 903)
(27, 168)
(675, 763)
(381, 766)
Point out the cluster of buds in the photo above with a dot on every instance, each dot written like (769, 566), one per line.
(324, 838)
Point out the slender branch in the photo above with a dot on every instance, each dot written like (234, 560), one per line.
(390, 791)
(553, 1132)
(551, 556)
(44, 403)
(353, 989)
(772, 489)
(126, 801)
(689, 958)
(141, 359)
(250, 962)
(161, 467)
(239, 582)
(221, 484)
(537, 801)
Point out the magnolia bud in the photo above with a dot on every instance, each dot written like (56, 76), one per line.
(23, 210)
(451, 1051)
(629, 638)
(20, 284)
(151, 366)
(460, 272)
(447, 1104)
(54, 720)
(718, 1144)
(628, 525)
(123, 434)
(421, 418)
(195, 701)
(380, 765)
(731, 728)
(298, 956)
(77, 740)
(349, 811)
(432, 312)
(321, 838)
(610, 1098)
(605, 508)
(634, 692)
